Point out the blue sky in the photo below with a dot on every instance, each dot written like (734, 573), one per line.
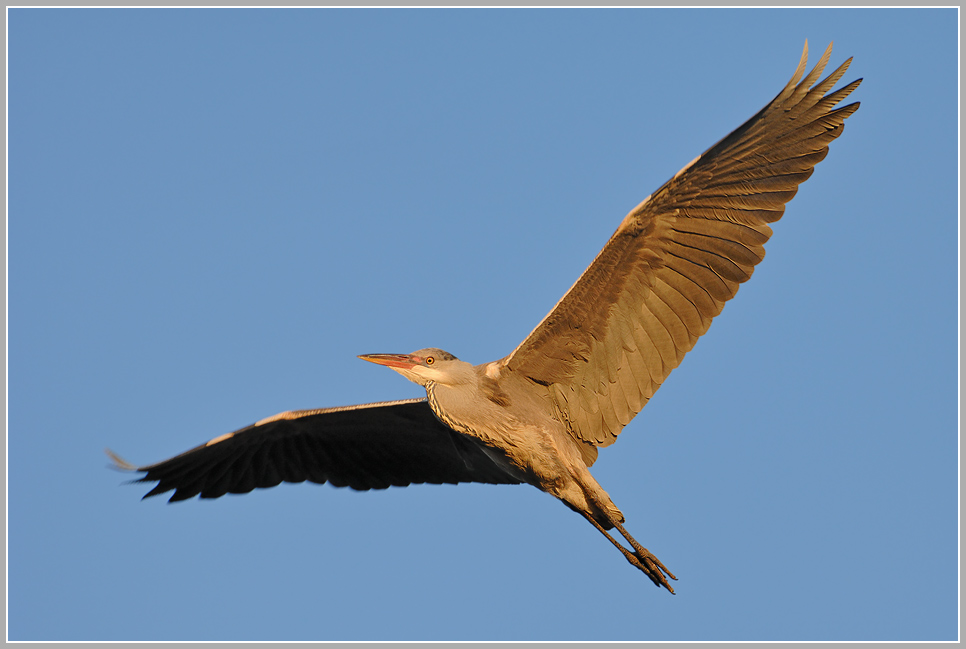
(212, 212)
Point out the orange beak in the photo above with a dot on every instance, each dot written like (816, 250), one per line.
(405, 361)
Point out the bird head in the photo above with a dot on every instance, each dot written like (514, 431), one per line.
(425, 365)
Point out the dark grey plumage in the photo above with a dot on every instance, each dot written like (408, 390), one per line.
(371, 446)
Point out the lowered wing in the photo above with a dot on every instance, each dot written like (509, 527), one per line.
(675, 260)
(372, 446)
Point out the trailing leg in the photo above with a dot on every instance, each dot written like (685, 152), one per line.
(645, 555)
(640, 558)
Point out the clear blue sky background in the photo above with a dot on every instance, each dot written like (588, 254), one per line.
(212, 212)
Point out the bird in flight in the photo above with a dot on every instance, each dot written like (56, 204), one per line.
(540, 414)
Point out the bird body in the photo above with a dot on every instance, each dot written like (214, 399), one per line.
(531, 443)
(539, 415)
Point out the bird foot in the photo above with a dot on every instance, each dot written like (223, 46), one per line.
(652, 567)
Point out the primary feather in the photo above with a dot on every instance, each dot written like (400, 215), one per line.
(675, 260)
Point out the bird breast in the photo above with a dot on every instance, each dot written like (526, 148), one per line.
(526, 444)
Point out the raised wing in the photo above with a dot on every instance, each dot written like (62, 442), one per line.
(372, 446)
(612, 340)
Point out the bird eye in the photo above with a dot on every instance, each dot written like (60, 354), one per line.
(430, 360)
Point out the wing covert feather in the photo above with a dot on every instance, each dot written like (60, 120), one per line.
(675, 260)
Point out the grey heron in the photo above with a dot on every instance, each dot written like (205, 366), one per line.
(540, 414)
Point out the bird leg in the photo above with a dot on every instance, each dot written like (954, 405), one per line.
(641, 558)
(646, 557)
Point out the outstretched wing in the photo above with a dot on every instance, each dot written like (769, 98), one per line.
(372, 446)
(675, 260)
